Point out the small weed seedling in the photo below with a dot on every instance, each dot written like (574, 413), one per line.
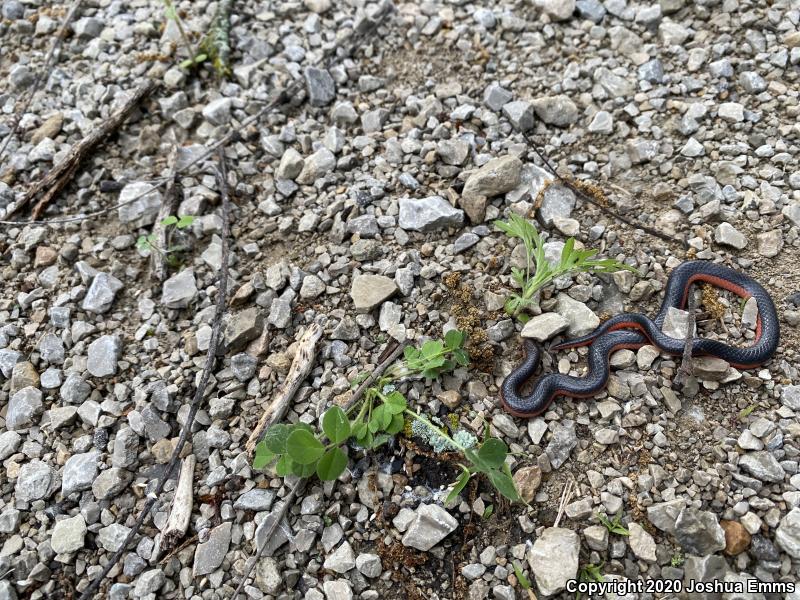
(302, 451)
(747, 411)
(524, 582)
(148, 242)
(677, 559)
(589, 573)
(613, 526)
(539, 272)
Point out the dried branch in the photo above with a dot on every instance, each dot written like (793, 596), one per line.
(52, 183)
(566, 496)
(182, 503)
(211, 356)
(301, 367)
(43, 74)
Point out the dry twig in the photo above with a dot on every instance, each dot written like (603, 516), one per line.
(566, 495)
(301, 367)
(52, 183)
(182, 503)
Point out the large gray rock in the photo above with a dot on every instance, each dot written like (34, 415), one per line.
(180, 290)
(75, 389)
(242, 328)
(24, 408)
(321, 87)
(543, 327)
(268, 576)
(36, 481)
(10, 442)
(209, 555)
(80, 471)
(112, 537)
(341, 560)
(763, 466)
(255, 500)
(149, 583)
(558, 201)
(790, 396)
(291, 164)
(558, 110)
(498, 176)
(369, 291)
(101, 293)
(642, 543)
(520, 113)
(664, 514)
(68, 535)
(787, 535)
(316, 165)
(580, 317)
(727, 235)
(51, 349)
(126, 448)
(495, 96)
(140, 204)
(699, 532)
(427, 214)
(430, 526)
(103, 355)
(8, 358)
(615, 85)
(561, 444)
(111, 482)
(218, 112)
(554, 559)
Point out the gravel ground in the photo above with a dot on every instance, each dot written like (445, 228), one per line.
(366, 205)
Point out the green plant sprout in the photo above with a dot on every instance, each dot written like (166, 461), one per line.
(589, 573)
(613, 526)
(538, 271)
(747, 411)
(380, 414)
(523, 581)
(148, 242)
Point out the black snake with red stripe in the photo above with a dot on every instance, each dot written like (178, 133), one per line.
(634, 330)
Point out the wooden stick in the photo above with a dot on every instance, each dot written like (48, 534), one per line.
(386, 361)
(199, 394)
(158, 256)
(566, 495)
(301, 367)
(58, 177)
(182, 504)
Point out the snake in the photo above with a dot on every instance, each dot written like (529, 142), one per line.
(634, 330)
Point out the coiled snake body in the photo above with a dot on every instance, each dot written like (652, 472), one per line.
(634, 330)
